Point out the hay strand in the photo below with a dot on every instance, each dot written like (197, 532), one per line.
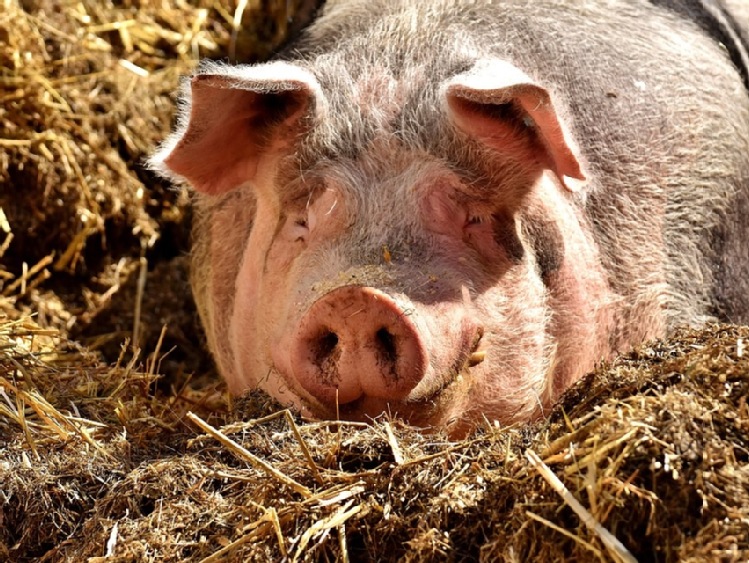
(615, 547)
(248, 456)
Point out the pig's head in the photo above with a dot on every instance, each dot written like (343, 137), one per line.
(376, 243)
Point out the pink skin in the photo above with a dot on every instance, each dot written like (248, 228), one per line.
(274, 347)
(501, 82)
(302, 330)
(572, 319)
(363, 369)
(530, 354)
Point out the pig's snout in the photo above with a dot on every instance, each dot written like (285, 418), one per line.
(357, 342)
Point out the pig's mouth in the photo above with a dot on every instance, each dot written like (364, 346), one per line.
(442, 408)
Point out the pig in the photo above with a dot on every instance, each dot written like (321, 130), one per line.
(449, 211)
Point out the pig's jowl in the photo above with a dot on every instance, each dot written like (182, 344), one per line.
(450, 211)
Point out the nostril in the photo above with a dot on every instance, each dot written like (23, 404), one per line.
(324, 346)
(385, 342)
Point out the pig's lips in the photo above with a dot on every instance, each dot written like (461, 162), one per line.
(443, 408)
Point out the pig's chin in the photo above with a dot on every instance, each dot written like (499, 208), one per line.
(442, 409)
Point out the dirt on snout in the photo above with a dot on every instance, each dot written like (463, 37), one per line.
(119, 443)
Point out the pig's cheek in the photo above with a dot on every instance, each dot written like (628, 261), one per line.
(258, 288)
(481, 241)
(513, 381)
(243, 331)
(277, 309)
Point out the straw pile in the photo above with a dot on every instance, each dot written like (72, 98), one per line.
(647, 459)
(113, 451)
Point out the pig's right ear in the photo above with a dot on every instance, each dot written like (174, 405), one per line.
(503, 107)
(233, 117)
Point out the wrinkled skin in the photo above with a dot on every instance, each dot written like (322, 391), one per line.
(450, 211)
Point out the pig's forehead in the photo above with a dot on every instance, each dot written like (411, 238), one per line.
(380, 65)
(366, 103)
(387, 165)
(361, 65)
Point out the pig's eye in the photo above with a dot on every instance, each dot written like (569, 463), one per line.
(475, 220)
(299, 229)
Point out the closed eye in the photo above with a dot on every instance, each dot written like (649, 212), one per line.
(299, 231)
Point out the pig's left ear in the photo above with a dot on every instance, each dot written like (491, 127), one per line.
(500, 105)
(231, 118)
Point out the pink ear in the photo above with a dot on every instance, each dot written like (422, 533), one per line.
(231, 119)
(499, 104)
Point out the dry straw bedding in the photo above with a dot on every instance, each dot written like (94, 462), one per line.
(113, 450)
(652, 450)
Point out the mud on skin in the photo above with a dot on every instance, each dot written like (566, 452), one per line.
(451, 211)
